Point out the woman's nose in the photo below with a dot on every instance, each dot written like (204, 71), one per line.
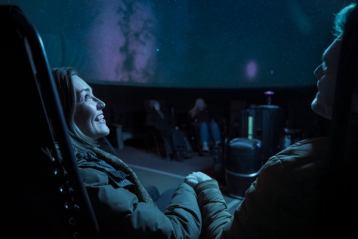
(100, 104)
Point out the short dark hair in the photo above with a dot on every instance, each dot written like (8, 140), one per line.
(341, 19)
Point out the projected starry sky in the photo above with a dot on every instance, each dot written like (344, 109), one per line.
(186, 43)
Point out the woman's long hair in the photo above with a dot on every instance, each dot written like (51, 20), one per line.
(63, 79)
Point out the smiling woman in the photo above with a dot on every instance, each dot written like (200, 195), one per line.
(88, 112)
(121, 203)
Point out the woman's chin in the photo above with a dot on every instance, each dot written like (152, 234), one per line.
(105, 131)
(101, 132)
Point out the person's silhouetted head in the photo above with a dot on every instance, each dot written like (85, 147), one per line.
(326, 72)
(200, 104)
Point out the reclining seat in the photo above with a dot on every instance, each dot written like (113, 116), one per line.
(340, 188)
(46, 198)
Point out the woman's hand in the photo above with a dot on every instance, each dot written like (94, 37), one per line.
(196, 177)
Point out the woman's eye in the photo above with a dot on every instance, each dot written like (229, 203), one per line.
(87, 97)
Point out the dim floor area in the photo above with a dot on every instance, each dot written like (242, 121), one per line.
(166, 174)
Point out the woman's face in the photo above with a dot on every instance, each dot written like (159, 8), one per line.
(88, 111)
(326, 74)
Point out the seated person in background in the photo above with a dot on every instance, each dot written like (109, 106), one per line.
(122, 205)
(207, 126)
(176, 143)
(161, 122)
(285, 200)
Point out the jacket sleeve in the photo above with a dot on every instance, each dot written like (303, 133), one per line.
(217, 220)
(216, 216)
(280, 203)
(282, 200)
(256, 211)
(122, 215)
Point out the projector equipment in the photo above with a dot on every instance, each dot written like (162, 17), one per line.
(264, 122)
(262, 127)
(243, 164)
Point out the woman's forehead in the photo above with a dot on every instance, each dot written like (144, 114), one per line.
(79, 84)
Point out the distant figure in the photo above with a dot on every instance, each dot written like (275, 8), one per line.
(161, 122)
(176, 144)
(208, 128)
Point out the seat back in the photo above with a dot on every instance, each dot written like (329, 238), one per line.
(47, 198)
(344, 140)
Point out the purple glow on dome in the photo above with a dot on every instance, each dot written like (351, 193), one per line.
(121, 50)
(251, 69)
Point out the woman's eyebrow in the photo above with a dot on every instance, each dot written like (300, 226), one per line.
(79, 93)
(86, 89)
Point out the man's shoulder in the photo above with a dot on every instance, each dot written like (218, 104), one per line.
(302, 152)
(315, 141)
(308, 148)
